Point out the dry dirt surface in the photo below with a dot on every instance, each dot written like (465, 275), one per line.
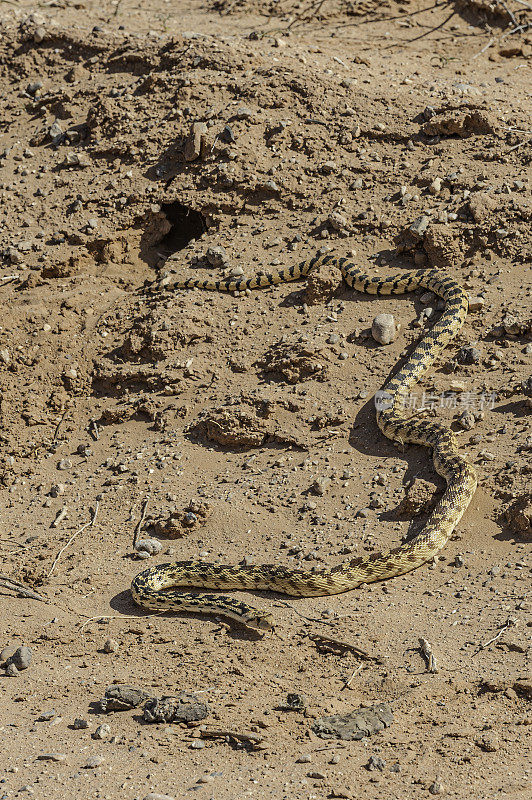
(140, 141)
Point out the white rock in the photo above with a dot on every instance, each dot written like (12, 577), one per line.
(150, 546)
(384, 329)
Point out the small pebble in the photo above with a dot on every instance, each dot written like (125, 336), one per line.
(110, 646)
(457, 386)
(476, 303)
(375, 762)
(102, 731)
(149, 546)
(304, 758)
(6, 653)
(80, 724)
(94, 762)
(11, 671)
(435, 186)
(217, 257)
(383, 329)
(21, 658)
(436, 787)
(65, 463)
(206, 779)
(46, 716)
(197, 744)
(157, 796)
(320, 485)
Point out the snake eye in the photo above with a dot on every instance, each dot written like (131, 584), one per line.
(260, 622)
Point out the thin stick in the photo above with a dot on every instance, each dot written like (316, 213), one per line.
(524, 27)
(422, 35)
(9, 583)
(510, 13)
(510, 622)
(355, 672)
(60, 517)
(522, 2)
(525, 141)
(56, 432)
(486, 46)
(77, 533)
(138, 526)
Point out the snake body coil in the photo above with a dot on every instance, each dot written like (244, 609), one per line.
(158, 587)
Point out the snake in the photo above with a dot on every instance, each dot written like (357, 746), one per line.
(162, 587)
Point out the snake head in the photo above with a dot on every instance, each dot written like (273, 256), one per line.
(260, 621)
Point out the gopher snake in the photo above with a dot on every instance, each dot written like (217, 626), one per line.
(155, 587)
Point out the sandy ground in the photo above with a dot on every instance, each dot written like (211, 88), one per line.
(139, 141)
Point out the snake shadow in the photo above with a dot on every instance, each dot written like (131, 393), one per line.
(123, 603)
(366, 438)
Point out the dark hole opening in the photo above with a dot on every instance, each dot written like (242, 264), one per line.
(187, 224)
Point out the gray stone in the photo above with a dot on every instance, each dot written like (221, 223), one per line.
(375, 762)
(6, 653)
(94, 762)
(469, 355)
(243, 113)
(217, 257)
(355, 725)
(21, 658)
(183, 707)
(467, 420)
(149, 546)
(122, 698)
(383, 329)
(102, 731)
(157, 796)
(321, 484)
(295, 702)
(419, 225)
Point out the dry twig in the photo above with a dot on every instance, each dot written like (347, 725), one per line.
(510, 623)
(74, 535)
(9, 583)
(355, 672)
(60, 516)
